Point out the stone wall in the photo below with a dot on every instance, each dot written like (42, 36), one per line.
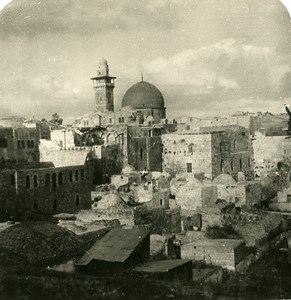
(209, 151)
(193, 149)
(49, 190)
(268, 151)
(224, 253)
(50, 151)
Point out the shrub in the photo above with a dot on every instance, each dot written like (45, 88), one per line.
(226, 231)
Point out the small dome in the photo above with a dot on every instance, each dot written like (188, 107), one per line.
(143, 95)
(224, 179)
(128, 170)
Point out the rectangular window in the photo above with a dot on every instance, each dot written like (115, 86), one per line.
(189, 168)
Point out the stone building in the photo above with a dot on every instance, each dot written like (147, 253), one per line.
(251, 122)
(209, 151)
(49, 190)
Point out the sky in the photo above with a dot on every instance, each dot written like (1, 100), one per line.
(206, 57)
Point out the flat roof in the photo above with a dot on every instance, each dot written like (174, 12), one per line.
(216, 243)
(161, 266)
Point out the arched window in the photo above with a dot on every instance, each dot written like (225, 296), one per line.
(77, 200)
(82, 174)
(141, 153)
(61, 181)
(71, 176)
(35, 181)
(12, 180)
(27, 181)
(47, 179)
(76, 175)
(54, 181)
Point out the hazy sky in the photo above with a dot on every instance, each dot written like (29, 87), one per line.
(206, 57)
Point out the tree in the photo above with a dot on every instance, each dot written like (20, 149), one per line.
(56, 119)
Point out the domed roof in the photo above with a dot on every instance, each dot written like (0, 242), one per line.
(224, 179)
(143, 95)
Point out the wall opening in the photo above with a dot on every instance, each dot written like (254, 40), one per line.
(12, 180)
(55, 205)
(35, 183)
(61, 180)
(27, 181)
(71, 176)
(47, 179)
(76, 175)
(54, 181)
(77, 199)
(189, 167)
(141, 153)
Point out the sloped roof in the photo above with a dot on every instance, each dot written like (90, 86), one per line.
(116, 246)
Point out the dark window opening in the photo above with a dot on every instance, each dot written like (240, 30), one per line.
(12, 180)
(32, 144)
(82, 174)
(141, 153)
(240, 163)
(54, 181)
(76, 175)
(28, 144)
(47, 179)
(189, 168)
(27, 181)
(77, 199)
(231, 165)
(22, 144)
(221, 166)
(35, 206)
(61, 181)
(161, 202)
(34, 181)
(55, 205)
(18, 144)
(71, 176)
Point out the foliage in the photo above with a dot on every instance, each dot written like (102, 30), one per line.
(56, 119)
(226, 231)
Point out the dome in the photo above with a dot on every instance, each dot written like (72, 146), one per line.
(224, 179)
(143, 95)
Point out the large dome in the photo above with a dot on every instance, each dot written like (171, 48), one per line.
(143, 95)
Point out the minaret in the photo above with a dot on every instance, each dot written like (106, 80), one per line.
(103, 85)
